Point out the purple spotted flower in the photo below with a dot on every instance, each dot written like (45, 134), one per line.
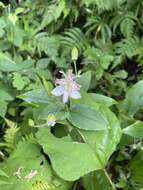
(67, 87)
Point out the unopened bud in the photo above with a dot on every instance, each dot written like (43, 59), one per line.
(51, 120)
(74, 54)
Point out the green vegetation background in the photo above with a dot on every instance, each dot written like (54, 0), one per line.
(36, 40)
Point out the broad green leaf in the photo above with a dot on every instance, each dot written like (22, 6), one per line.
(5, 95)
(84, 117)
(135, 130)
(99, 98)
(84, 80)
(134, 99)
(26, 64)
(66, 156)
(42, 63)
(103, 142)
(35, 96)
(42, 111)
(19, 166)
(8, 65)
(97, 181)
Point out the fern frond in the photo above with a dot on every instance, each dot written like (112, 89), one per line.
(104, 4)
(99, 28)
(9, 137)
(98, 60)
(127, 47)
(29, 138)
(53, 12)
(126, 22)
(48, 45)
(74, 38)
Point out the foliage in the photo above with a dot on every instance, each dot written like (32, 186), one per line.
(94, 142)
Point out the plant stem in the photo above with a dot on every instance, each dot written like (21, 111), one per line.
(42, 125)
(110, 181)
(75, 68)
(66, 107)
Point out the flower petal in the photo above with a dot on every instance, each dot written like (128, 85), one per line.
(60, 81)
(75, 95)
(58, 91)
(65, 97)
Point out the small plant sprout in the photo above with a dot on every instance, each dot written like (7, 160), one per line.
(51, 120)
(67, 87)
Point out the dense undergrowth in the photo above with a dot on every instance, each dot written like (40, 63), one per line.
(53, 143)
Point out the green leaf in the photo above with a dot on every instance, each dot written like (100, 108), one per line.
(103, 142)
(122, 74)
(19, 82)
(2, 23)
(8, 65)
(49, 45)
(1, 33)
(43, 63)
(97, 181)
(19, 10)
(84, 80)
(84, 117)
(99, 98)
(135, 130)
(42, 111)
(134, 99)
(32, 161)
(26, 64)
(2, 173)
(3, 108)
(35, 96)
(66, 156)
(17, 38)
(5, 97)
(136, 170)
(53, 12)
(103, 4)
